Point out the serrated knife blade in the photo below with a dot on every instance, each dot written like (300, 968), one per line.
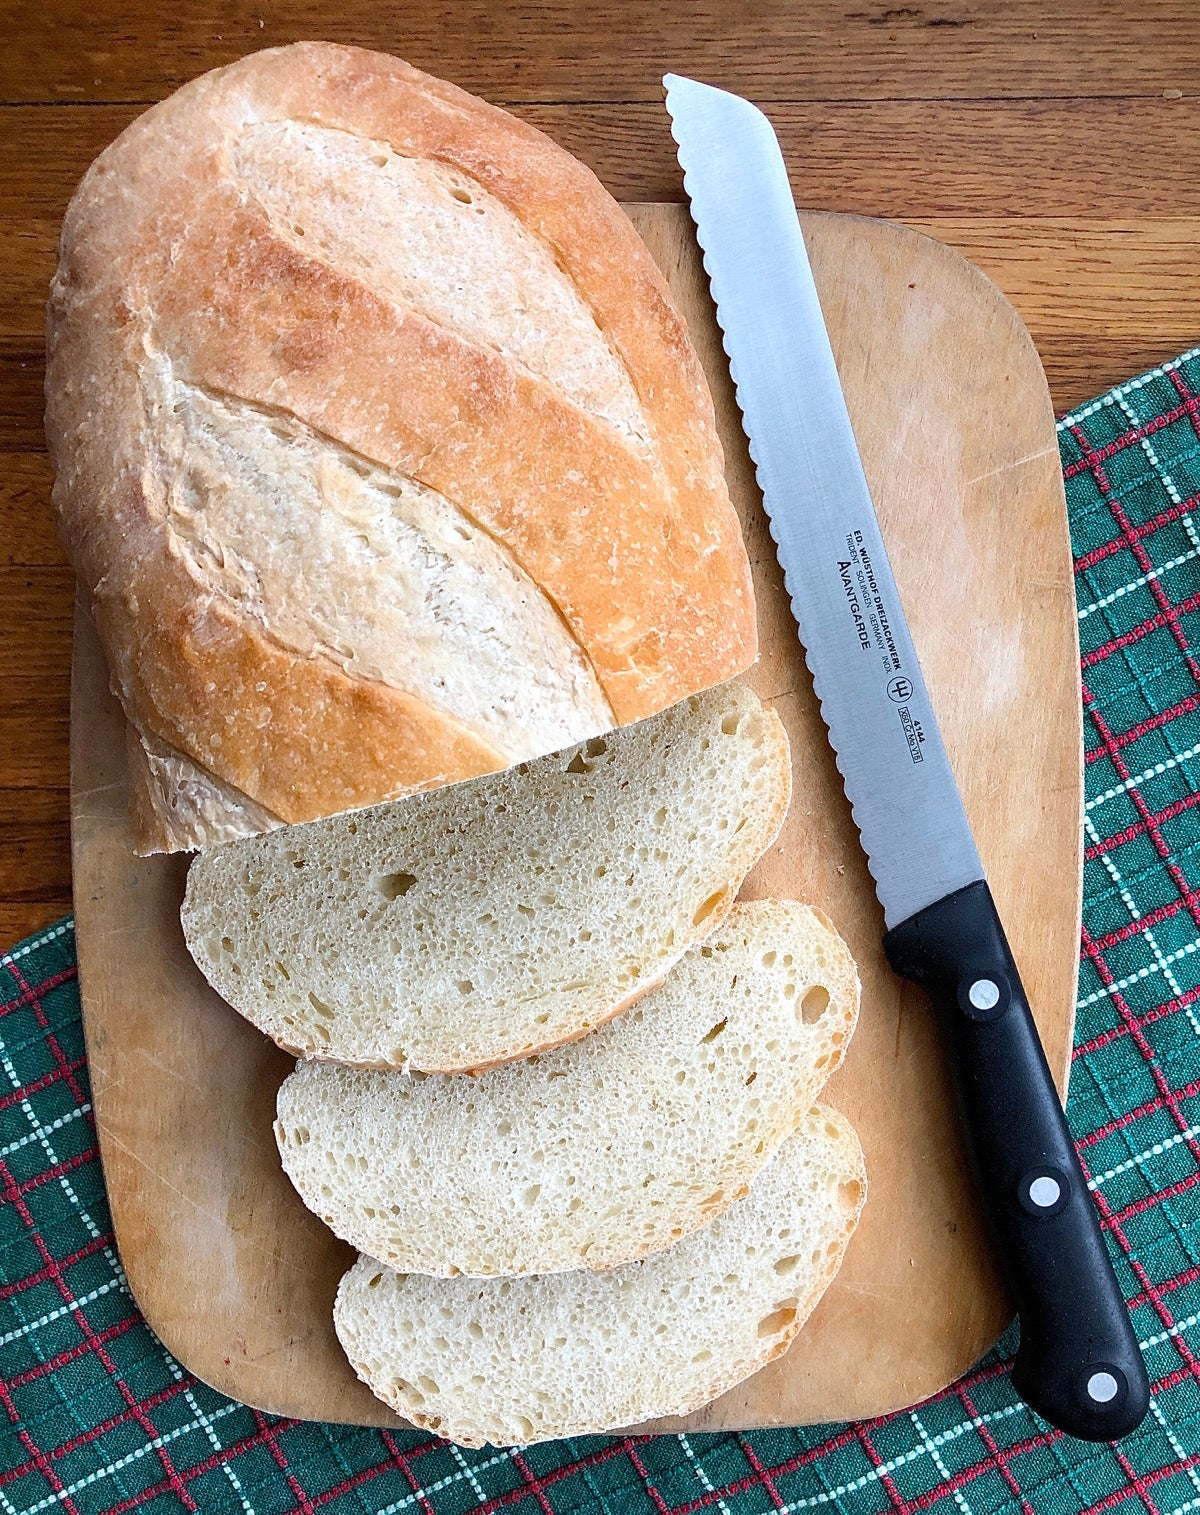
(1079, 1363)
(865, 671)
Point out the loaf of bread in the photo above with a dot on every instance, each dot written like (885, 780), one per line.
(597, 1153)
(517, 1360)
(479, 923)
(380, 447)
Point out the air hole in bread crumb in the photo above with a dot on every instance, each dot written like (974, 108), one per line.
(814, 1004)
(595, 746)
(779, 1319)
(461, 196)
(373, 1283)
(320, 1006)
(730, 724)
(849, 1194)
(578, 764)
(711, 1036)
(786, 1264)
(703, 911)
(394, 886)
(753, 1076)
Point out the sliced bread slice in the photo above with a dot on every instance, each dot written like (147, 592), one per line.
(516, 1360)
(484, 921)
(596, 1153)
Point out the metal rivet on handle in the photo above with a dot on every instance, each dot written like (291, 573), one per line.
(984, 994)
(1044, 1192)
(1102, 1387)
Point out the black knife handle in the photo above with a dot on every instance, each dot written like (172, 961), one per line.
(1078, 1364)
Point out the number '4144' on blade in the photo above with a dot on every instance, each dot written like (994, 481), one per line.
(1079, 1363)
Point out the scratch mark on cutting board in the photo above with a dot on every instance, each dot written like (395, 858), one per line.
(293, 1267)
(1031, 457)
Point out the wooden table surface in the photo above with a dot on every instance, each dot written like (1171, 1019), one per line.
(1054, 142)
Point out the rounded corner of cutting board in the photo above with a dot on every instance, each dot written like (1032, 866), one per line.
(913, 366)
(954, 267)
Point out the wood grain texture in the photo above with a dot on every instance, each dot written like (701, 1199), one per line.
(901, 159)
(954, 421)
(558, 50)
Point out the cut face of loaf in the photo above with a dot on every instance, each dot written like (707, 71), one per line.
(480, 923)
(599, 1152)
(380, 447)
(517, 1360)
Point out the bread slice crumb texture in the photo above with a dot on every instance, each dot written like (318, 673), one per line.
(516, 1360)
(488, 920)
(599, 1152)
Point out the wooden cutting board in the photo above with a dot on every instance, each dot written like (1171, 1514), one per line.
(953, 418)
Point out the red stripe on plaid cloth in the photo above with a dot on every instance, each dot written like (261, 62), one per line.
(1159, 817)
(566, 1470)
(1168, 1095)
(1150, 1201)
(1147, 1018)
(1142, 924)
(1152, 1293)
(889, 1487)
(405, 1467)
(105, 1426)
(1144, 628)
(1147, 528)
(81, 1349)
(760, 1472)
(197, 1470)
(355, 1480)
(27, 996)
(97, 1244)
(270, 1438)
(1166, 1286)
(59, 1170)
(34, 1002)
(998, 1458)
(1191, 402)
(1151, 1106)
(532, 1483)
(40, 1460)
(1130, 534)
(1118, 1496)
(960, 1480)
(27, 1091)
(1128, 438)
(1191, 899)
(1143, 728)
(660, 1504)
(90, 1336)
(1138, 1484)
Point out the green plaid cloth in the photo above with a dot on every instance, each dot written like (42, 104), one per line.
(99, 1417)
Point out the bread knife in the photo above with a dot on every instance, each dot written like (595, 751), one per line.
(1078, 1364)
